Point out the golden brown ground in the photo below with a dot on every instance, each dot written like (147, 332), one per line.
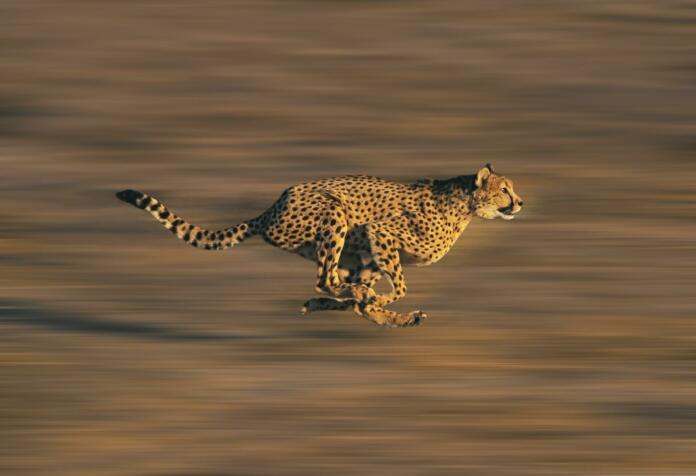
(562, 343)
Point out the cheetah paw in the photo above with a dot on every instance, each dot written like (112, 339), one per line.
(416, 318)
(363, 294)
(355, 292)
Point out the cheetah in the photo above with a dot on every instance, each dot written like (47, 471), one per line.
(358, 229)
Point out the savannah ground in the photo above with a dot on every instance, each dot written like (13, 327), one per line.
(562, 343)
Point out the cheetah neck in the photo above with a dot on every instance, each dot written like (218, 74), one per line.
(454, 198)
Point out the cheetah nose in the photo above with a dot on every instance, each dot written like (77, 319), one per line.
(520, 203)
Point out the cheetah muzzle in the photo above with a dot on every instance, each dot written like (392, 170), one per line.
(357, 229)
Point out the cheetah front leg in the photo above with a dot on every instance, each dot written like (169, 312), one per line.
(385, 252)
(387, 318)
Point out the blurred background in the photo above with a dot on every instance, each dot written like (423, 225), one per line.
(562, 343)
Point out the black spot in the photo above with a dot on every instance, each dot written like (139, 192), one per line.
(199, 235)
(186, 237)
(164, 215)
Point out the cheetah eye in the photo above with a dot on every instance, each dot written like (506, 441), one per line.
(504, 190)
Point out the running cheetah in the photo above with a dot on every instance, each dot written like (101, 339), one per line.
(358, 229)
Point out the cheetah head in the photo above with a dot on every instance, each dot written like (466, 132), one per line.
(494, 196)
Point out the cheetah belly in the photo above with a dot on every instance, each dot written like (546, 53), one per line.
(411, 259)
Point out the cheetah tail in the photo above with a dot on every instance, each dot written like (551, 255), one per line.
(191, 234)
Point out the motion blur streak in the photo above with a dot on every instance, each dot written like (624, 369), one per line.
(558, 344)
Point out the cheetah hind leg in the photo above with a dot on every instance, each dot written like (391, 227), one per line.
(326, 304)
(371, 312)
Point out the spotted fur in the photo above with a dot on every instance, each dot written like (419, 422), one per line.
(358, 229)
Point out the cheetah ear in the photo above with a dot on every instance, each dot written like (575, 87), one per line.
(482, 176)
(490, 167)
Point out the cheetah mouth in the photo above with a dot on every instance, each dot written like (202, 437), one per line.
(506, 213)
